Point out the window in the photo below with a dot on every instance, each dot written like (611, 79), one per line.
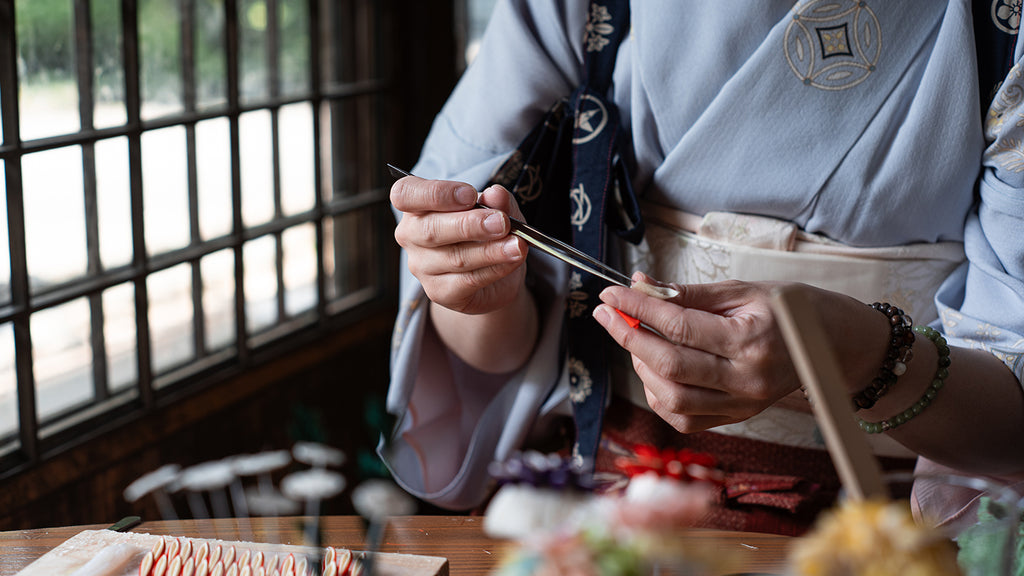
(472, 16)
(188, 185)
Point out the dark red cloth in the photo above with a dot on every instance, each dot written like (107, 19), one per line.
(768, 487)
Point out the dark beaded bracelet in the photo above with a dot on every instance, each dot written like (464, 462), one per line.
(938, 381)
(901, 342)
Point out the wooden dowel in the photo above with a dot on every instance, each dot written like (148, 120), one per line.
(820, 375)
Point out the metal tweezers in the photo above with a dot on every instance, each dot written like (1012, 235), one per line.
(553, 246)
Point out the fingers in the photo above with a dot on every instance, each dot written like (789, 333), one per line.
(483, 259)
(499, 198)
(461, 253)
(694, 328)
(676, 398)
(670, 361)
(680, 420)
(440, 213)
(432, 230)
(721, 297)
(721, 358)
(472, 292)
(691, 408)
(413, 195)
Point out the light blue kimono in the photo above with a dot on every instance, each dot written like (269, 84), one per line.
(861, 123)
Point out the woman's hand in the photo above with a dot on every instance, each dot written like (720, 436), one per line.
(465, 258)
(471, 268)
(723, 358)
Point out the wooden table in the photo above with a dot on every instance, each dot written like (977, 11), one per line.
(460, 539)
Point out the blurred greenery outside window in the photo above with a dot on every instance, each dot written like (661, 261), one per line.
(476, 15)
(162, 223)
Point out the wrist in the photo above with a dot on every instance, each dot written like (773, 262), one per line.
(899, 350)
(919, 386)
(496, 342)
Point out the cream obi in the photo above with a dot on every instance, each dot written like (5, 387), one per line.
(684, 248)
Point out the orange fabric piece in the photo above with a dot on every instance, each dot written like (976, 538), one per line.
(633, 322)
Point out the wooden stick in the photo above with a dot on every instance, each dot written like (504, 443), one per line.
(819, 372)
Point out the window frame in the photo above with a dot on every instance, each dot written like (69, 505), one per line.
(365, 191)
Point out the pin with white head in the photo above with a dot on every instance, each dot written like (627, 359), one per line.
(156, 483)
(208, 478)
(377, 500)
(313, 486)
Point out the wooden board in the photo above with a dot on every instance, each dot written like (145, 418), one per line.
(76, 551)
(819, 372)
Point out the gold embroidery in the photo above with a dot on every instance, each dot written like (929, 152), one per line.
(520, 178)
(591, 119)
(598, 28)
(1010, 360)
(833, 45)
(834, 42)
(577, 298)
(1008, 353)
(577, 303)
(987, 332)
(581, 386)
(403, 320)
(575, 280)
(1006, 15)
(1008, 153)
(951, 320)
(1006, 103)
(581, 207)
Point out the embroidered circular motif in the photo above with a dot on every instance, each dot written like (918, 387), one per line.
(591, 118)
(530, 185)
(833, 45)
(581, 206)
(580, 383)
(521, 178)
(1006, 15)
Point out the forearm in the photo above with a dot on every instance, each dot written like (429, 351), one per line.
(497, 342)
(976, 420)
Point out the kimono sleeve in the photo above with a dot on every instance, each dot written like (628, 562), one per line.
(453, 421)
(982, 304)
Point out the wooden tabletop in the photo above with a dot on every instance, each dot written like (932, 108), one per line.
(460, 539)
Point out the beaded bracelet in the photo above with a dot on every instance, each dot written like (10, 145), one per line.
(938, 381)
(901, 341)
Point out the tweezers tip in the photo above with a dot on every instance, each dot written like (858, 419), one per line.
(396, 172)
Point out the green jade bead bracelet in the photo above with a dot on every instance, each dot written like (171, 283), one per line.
(938, 381)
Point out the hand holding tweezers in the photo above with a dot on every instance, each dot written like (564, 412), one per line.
(553, 246)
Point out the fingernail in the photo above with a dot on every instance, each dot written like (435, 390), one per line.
(608, 297)
(511, 247)
(601, 314)
(495, 223)
(465, 195)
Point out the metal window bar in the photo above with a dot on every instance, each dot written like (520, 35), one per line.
(316, 86)
(328, 87)
(20, 296)
(274, 90)
(83, 71)
(133, 106)
(188, 63)
(341, 69)
(234, 107)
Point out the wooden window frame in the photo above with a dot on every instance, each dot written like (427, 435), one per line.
(346, 80)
